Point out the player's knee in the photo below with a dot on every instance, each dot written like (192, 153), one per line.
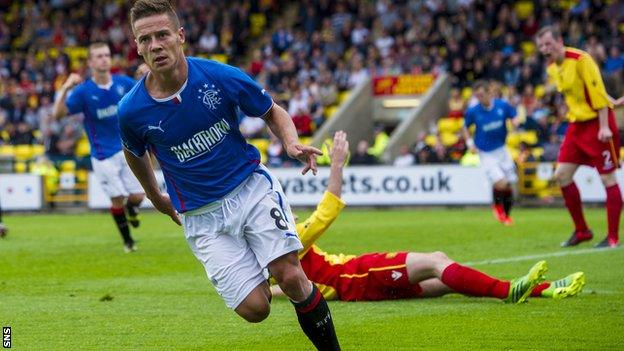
(439, 256)
(255, 313)
(608, 179)
(563, 178)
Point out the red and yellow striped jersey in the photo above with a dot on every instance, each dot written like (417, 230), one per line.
(578, 79)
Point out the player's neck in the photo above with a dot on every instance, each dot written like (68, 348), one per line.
(560, 56)
(102, 78)
(488, 105)
(164, 84)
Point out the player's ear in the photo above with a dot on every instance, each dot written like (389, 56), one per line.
(182, 35)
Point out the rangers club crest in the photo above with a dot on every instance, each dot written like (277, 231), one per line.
(121, 90)
(209, 95)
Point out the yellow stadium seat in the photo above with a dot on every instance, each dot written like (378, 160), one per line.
(38, 150)
(261, 144)
(539, 184)
(466, 93)
(330, 111)
(20, 167)
(537, 152)
(343, 95)
(528, 48)
(82, 147)
(459, 123)
(446, 125)
(7, 151)
(514, 153)
(523, 9)
(23, 152)
(529, 137)
(448, 139)
(513, 140)
(540, 91)
(68, 166)
(257, 21)
(431, 140)
(82, 175)
(219, 58)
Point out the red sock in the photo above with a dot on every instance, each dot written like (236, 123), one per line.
(468, 281)
(614, 208)
(572, 199)
(537, 291)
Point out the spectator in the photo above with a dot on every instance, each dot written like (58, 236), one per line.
(456, 104)
(405, 158)
(361, 155)
(551, 148)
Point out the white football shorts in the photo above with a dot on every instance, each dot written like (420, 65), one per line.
(115, 176)
(498, 165)
(236, 237)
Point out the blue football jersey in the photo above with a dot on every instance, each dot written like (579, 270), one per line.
(194, 133)
(490, 124)
(99, 107)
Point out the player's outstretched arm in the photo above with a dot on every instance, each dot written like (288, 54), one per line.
(330, 205)
(616, 102)
(469, 141)
(338, 155)
(283, 127)
(60, 109)
(604, 132)
(142, 169)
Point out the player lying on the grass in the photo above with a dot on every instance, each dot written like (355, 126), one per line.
(398, 275)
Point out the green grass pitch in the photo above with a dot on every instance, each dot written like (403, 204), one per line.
(65, 284)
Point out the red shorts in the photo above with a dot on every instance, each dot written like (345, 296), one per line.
(582, 147)
(376, 276)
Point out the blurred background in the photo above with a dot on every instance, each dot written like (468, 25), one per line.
(396, 75)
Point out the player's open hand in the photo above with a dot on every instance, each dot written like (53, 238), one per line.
(340, 149)
(619, 102)
(306, 154)
(163, 204)
(73, 80)
(604, 134)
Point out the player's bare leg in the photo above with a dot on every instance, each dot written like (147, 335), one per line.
(257, 305)
(614, 209)
(434, 288)
(312, 310)
(119, 215)
(468, 281)
(132, 208)
(564, 174)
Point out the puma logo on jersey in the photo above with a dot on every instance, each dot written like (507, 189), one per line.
(396, 275)
(156, 127)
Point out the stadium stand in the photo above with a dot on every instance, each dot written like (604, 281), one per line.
(310, 55)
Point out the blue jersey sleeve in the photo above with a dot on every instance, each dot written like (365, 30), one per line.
(247, 94)
(510, 111)
(129, 138)
(74, 101)
(469, 118)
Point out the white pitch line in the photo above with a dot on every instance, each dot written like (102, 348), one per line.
(538, 256)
